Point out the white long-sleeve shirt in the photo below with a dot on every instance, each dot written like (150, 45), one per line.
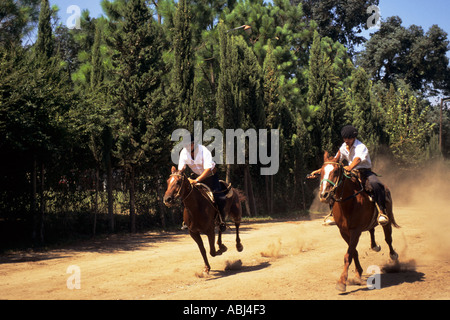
(357, 150)
(203, 159)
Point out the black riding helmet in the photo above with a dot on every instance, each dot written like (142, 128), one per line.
(349, 132)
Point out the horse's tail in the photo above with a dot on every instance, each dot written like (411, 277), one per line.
(390, 212)
(393, 222)
(241, 195)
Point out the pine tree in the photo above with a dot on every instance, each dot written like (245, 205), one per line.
(183, 69)
(44, 43)
(364, 118)
(328, 69)
(136, 91)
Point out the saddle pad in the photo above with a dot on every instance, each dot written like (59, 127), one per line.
(205, 191)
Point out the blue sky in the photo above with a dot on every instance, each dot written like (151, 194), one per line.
(418, 12)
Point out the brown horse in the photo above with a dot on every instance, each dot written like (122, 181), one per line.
(353, 212)
(200, 213)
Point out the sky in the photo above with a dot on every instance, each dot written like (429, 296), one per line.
(424, 13)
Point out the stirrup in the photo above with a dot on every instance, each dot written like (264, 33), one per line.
(329, 220)
(220, 223)
(222, 227)
(383, 219)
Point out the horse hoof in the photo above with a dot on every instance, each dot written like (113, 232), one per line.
(223, 248)
(239, 247)
(206, 270)
(376, 248)
(394, 256)
(341, 287)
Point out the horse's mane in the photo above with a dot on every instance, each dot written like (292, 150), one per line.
(328, 158)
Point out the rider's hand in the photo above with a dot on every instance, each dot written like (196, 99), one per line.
(348, 169)
(192, 181)
(313, 175)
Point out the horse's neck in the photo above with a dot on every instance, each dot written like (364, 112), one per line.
(187, 188)
(347, 188)
(195, 199)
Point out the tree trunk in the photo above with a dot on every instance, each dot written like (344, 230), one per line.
(250, 195)
(132, 201)
(228, 174)
(162, 209)
(42, 208)
(269, 194)
(97, 181)
(109, 187)
(246, 202)
(34, 209)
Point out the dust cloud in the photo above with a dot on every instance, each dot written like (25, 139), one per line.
(425, 192)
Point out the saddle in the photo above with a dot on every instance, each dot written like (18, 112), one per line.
(360, 174)
(206, 191)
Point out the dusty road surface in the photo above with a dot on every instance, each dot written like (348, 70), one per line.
(286, 260)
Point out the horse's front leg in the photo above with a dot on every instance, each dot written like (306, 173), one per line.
(198, 239)
(352, 241)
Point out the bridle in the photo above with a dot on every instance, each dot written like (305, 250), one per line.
(342, 174)
(337, 183)
(183, 177)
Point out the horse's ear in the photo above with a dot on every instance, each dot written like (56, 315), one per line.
(173, 169)
(336, 159)
(325, 156)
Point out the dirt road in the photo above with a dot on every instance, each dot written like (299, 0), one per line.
(286, 260)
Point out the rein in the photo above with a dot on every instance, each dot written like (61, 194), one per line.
(341, 181)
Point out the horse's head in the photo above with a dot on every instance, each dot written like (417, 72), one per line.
(174, 187)
(329, 177)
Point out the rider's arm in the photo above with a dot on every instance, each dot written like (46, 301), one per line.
(206, 173)
(354, 163)
(313, 174)
(182, 161)
(208, 165)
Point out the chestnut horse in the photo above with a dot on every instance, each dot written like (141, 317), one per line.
(200, 213)
(353, 212)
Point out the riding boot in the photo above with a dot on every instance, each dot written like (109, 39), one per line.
(222, 225)
(379, 197)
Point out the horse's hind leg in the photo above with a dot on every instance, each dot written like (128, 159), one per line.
(212, 249)
(222, 248)
(198, 239)
(388, 237)
(236, 214)
(239, 245)
(373, 245)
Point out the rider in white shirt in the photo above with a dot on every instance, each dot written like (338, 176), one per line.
(199, 159)
(358, 158)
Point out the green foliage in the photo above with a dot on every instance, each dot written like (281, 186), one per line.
(329, 68)
(99, 104)
(340, 20)
(395, 52)
(408, 129)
